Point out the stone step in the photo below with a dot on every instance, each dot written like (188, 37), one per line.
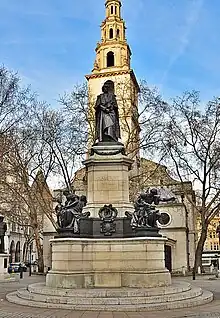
(204, 298)
(175, 288)
(131, 300)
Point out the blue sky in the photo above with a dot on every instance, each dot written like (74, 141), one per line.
(175, 43)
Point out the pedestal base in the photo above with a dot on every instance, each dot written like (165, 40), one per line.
(91, 228)
(108, 183)
(91, 263)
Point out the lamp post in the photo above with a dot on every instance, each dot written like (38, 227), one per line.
(30, 251)
(217, 256)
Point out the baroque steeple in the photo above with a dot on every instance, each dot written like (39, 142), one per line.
(112, 51)
(112, 63)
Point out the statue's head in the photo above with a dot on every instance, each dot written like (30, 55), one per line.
(108, 87)
(83, 199)
(143, 195)
(153, 191)
(105, 88)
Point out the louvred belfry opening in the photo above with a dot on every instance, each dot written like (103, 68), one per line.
(110, 59)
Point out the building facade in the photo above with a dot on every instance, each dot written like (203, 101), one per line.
(18, 243)
(211, 251)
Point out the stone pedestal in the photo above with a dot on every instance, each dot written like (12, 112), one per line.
(93, 263)
(4, 261)
(107, 172)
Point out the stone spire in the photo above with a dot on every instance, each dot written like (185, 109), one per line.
(112, 51)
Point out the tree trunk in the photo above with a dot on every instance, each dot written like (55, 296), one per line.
(199, 248)
(39, 251)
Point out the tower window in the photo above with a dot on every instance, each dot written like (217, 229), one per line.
(115, 10)
(111, 33)
(118, 33)
(110, 59)
(112, 10)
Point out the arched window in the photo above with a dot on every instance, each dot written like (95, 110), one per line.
(111, 33)
(12, 252)
(110, 59)
(17, 252)
(112, 10)
(118, 33)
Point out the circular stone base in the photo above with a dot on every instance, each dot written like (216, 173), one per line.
(178, 295)
(107, 279)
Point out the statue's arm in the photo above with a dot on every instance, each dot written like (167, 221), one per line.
(99, 105)
(167, 199)
(98, 102)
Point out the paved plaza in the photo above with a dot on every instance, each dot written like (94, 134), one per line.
(8, 310)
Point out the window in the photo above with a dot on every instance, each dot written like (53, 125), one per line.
(118, 33)
(111, 33)
(112, 10)
(110, 59)
(13, 227)
(214, 235)
(164, 219)
(211, 247)
(210, 234)
(215, 246)
(115, 10)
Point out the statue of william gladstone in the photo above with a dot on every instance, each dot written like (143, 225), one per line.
(106, 115)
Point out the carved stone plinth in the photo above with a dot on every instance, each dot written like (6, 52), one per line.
(108, 183)
(95, 228)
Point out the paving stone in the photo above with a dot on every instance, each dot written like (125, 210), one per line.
(89, 314)
(105, 315)
(8, 310)
(120, 315)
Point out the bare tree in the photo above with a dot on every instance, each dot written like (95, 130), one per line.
(14, 100)
(141, 129)
(22, 200)
(37, 144)
(191, 143)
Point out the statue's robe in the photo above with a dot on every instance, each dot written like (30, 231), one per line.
(107, 123)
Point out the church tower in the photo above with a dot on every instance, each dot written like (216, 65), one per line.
(113, 62)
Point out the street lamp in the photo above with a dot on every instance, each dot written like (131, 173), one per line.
(30, 251)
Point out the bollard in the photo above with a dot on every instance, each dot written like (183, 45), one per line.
(184, 271)
(21, 273)
(194, 274)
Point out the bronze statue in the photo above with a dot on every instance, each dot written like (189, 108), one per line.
(152, 196)
(145, 214)
(3, 229)
(69, 215)
(106, 115)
